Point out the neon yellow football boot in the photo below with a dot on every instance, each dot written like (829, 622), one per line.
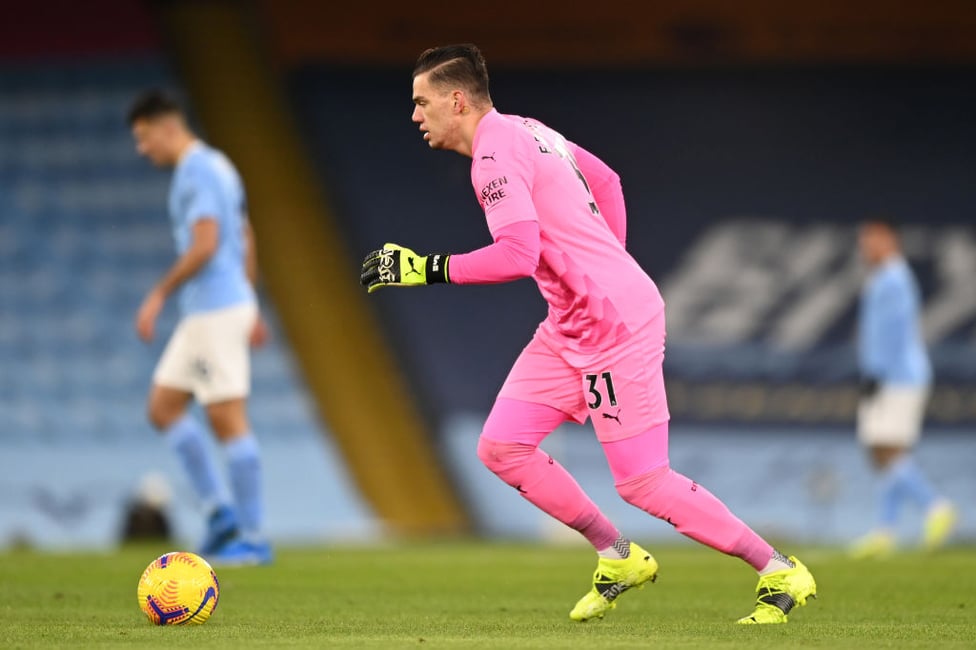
(874, 545)
(939, 523)
(612, 578)
(779, 592)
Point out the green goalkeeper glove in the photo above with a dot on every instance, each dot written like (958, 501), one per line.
(397, 266)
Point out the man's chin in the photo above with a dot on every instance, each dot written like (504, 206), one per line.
(440, 144)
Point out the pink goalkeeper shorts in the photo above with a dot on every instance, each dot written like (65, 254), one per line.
(621, 389)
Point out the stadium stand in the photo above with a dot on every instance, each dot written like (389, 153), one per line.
(83, 233)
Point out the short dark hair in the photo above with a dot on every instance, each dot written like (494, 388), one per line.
(456, 65)
(884, 221)
(152, 104)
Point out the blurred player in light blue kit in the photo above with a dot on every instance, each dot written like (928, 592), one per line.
(895, 380)
(207, 357)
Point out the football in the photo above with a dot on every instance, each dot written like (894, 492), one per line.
(178, 588)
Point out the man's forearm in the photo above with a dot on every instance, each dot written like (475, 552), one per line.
(250, 255)
(188, 265)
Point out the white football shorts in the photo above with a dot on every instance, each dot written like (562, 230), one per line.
(209, 354)
(893, 416)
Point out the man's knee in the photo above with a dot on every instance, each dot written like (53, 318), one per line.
(228, 419)
(156, 416)
(164, 408)
(883, 456)
(644, 491)
(503, 458)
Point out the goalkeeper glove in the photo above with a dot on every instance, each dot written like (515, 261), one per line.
(397, 266)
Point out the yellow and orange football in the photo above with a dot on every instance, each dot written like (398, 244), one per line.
(178, 588)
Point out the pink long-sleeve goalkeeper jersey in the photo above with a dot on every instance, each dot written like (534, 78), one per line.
(597, 293)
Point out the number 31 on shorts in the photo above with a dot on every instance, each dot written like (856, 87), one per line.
(599, 386)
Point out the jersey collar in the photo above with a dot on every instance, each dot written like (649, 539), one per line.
(490, 116)
(190, 149)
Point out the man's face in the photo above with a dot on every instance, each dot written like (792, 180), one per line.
(875, 242)
(434, 113)
(154, 139)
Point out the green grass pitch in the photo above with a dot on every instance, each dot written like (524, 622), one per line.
(483, 595)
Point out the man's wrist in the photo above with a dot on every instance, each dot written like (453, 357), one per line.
(436, 271)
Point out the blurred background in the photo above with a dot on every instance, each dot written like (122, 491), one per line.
(750, 137)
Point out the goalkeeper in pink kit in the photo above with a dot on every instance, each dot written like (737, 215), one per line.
(556, 213)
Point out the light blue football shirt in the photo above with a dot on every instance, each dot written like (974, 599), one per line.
(890, 344)
(206, 185)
